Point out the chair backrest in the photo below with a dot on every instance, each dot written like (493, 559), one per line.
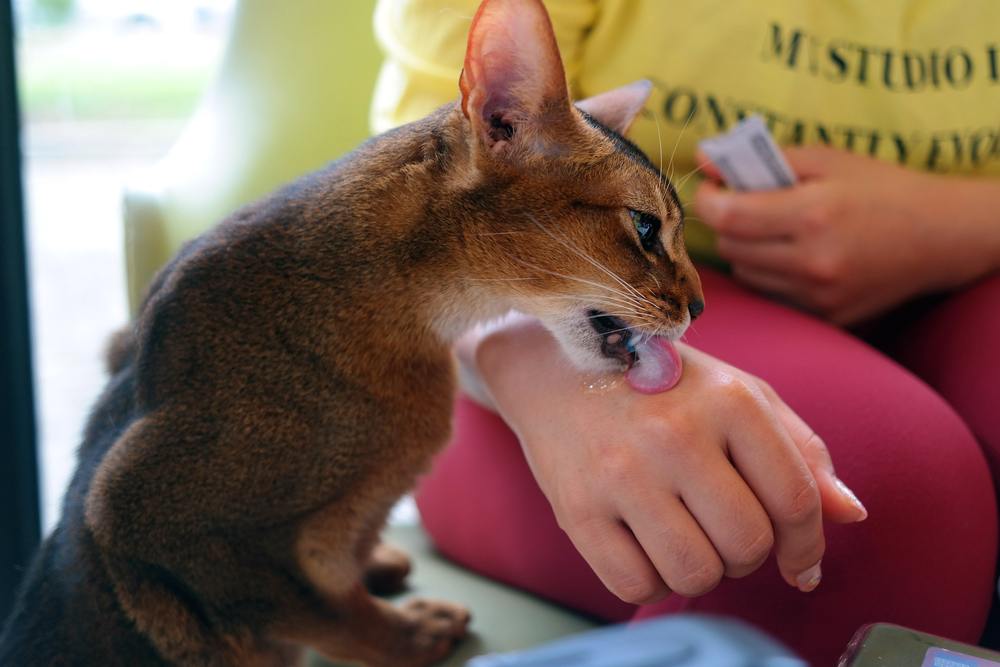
(292, 93)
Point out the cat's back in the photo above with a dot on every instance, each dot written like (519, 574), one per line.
(300, 275)
(66, 612)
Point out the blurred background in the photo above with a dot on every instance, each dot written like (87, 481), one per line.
(105, 89)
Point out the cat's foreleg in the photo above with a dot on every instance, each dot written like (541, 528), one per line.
(386, 570)
(359, 627)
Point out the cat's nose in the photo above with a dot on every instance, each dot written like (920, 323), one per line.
(696, 307)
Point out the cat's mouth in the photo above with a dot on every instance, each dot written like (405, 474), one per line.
(616, 337)
(652, 362)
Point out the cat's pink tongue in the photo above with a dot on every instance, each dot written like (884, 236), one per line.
(658, 366)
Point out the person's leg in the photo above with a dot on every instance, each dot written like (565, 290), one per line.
(954, 346)
(924, 558)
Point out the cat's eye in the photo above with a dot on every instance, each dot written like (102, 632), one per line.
(648, 228)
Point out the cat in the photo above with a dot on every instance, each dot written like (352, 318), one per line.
(290, 372)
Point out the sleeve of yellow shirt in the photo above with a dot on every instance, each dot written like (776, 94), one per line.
(423, 42)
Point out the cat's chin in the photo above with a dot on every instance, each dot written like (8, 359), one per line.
(584, 347)
(585, 341)
(591, 361)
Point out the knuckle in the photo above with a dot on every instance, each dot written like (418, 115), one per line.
(618, 466)
(573, 509)
(698, 580)
(751, 551)
(739, 391)
(729, 217)
(814, 449)
(827, 268)
(818, 216)
(693, 571)
(825, 300)
(766, 387)
(660, 431)
(637, 590)
(802, 504)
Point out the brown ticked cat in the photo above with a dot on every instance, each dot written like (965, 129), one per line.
(290, 373)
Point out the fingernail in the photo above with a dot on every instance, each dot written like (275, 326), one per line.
(809, 580)
(853, 499)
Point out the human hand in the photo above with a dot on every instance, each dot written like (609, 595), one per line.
(856, 236)
(670, 491)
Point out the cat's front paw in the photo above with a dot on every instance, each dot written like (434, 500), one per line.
(386, 570)
(433, 628)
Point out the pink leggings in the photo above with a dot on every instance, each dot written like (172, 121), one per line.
(925, 558)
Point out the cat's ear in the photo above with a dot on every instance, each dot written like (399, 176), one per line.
(618, 108)
(513, 76)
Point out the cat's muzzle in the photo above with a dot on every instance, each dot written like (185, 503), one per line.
(616, 337)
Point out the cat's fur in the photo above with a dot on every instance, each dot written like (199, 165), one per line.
(290, 373)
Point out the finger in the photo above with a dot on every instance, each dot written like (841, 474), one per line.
(779, 255)
(763, 452)
(729, 514)
(854, 312)
(751, 215)
(675, 543)
(617, 559)
(809, 162)
(768, 281)
(840, 504)
(707, 167)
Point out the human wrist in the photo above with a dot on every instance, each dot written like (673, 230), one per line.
(521, 366)
(981, 206)
(483, 341)
(963, 241)
(505, 348)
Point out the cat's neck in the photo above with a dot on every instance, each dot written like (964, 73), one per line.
(395, 200)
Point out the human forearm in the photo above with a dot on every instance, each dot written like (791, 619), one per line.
(523, 369)
(964, 234)
(594, 452)
(493, 343)
(857, 236)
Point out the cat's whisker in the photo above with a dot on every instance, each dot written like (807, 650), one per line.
(609, 313)
(670, 165)
(609, 306)
(659, 143)
(584, 281)
(634, 314)
(621, 281)
(698, 167)
(614, 331)
(603, 298)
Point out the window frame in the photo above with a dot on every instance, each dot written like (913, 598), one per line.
(20, 520)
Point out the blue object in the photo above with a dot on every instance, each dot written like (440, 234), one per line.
(689, 640)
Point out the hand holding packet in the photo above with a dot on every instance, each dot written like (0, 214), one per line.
(748, 158)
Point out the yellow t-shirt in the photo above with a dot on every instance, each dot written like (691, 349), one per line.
(914, 82)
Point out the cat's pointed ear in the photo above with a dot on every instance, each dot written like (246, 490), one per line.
(513, 75)
(618, 108)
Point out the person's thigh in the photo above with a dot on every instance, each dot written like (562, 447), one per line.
(924, 558)
(954, 346)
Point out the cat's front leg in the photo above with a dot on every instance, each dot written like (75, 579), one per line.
(362, 628)
(386, 570)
